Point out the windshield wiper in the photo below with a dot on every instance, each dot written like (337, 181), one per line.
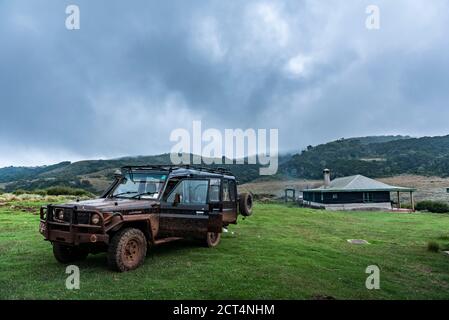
(143, 194)
(127, 192)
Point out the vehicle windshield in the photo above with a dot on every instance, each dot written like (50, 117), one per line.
(140, 185)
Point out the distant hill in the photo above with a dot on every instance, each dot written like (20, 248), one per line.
(378, 156)
(378, 139)
(372, 156)
(18, 173)
(93, 175)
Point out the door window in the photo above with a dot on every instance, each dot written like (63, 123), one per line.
(232, 194)
(229, 190)
(214, 190)
(225, 195)
(190, 192)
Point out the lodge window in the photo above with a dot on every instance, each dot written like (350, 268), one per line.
(334, 196)
(367, 197)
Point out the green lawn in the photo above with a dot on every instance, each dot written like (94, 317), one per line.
(280, 252)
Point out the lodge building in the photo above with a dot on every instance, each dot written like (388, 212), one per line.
(354, 193)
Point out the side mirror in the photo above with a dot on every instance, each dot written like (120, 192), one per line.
(117, 174)
(177, 199)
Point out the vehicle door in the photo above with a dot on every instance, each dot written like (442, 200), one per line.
(184, 207)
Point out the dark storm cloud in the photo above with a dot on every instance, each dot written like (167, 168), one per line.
(137, 70)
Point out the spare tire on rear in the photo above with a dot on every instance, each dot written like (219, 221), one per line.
(245, 204)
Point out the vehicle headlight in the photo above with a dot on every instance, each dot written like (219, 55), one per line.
(59, 213)
(95, 218)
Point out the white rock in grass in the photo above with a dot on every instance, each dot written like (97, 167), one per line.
(357, 241)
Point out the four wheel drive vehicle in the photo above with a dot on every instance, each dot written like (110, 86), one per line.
(145, 206)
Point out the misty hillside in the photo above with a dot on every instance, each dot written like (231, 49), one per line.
(18, 173)
(92, 175)
(371, 156)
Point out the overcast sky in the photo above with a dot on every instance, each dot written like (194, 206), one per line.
(136, 70)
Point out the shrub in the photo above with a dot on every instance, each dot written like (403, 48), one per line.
(433, 246)
(40, 192)
(8, 197)
(67, 191)
(29, 197)
(406, 206)
(440, 207)
(433, 206)
(18, 192)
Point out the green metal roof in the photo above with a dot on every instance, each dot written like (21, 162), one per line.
(358, 183)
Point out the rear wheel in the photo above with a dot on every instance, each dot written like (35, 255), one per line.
(127, 250)
(67, 254)
(213, 239)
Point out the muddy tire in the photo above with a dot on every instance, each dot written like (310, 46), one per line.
(246, 204)
(68, 254)
(127, 250)
(212, 239)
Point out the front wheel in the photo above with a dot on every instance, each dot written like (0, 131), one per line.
(127, 250)
(67, 254)
(213, 239)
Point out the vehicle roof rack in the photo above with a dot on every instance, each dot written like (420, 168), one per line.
(171, 167)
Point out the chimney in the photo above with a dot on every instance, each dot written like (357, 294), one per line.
(327, 177)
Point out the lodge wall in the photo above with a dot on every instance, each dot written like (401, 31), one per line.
(347, 197)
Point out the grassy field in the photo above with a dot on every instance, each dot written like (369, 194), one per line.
(281, 252)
